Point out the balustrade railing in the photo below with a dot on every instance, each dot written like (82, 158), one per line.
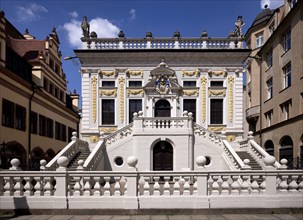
(164, 123)
(161, 43)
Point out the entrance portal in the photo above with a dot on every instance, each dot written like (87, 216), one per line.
(162, 108)
(163, 156)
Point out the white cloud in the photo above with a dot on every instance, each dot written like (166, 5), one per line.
(132, 13)
(74, 14)
(31, 12)
(272, 4)
(103, 28)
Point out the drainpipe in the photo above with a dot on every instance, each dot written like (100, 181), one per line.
(29, 125)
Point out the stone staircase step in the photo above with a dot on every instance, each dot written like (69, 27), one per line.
(253, 163)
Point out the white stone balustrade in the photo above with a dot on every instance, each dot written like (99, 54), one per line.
(81, 189)
(161, 43)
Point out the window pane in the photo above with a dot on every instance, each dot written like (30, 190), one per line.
(216, 83)
(135, 83)
(190, 106)
(7, 113)
(134, 106)
(108, 112)
(189, 84)
(108, 83)
(216, 111)
(33, 123)
(20, 118)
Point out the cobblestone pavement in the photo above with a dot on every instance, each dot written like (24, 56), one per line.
(160, 217)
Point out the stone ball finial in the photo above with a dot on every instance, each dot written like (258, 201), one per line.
(201, 161)
(185, 113)
(43, 162)
(190, 114)
(121, 34)
(101, 134)
(246, 162)
(15, 162)
(269, 160)
(93, 34)
(74, 137)
(62, 161)
(80, 162)
(135, 114)
(204, 34)
(283, 163)
(140, 113)
(132, 161)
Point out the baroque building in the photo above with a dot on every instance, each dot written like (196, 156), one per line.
(274, 82)
(37, 115)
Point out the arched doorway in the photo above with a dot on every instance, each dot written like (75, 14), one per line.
(269, 147)
(37, 154)
(9, 151)
(286, 150)
(163, 156)
(162, 108)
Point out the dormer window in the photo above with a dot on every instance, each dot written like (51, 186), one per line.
(259, 39)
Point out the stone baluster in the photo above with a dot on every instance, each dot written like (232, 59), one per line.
(235, 185)
(225, 185)
(254, 185)
(186, 186)
(283, 186)
(263, 185)
(86, 186)
(8, 186)
(245, 185)
(215, 185)
(146, 186)
(117, 186)
(38, 188)
(28, 186)
(195, 186)
(156, 186)
(300, 185)
(18, 186)
(97, 186)
(47, 188)
(176, 191)
(166, 186)
(106, 186)
(293, 185)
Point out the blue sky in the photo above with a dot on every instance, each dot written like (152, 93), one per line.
(135, 18)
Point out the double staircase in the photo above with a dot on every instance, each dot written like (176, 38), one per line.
(253, 163)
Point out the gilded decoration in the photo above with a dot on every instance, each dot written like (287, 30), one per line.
(107, 129)
(108, 92)
(203, 98)
(221, 128)
(222, 73)
(94, 99)
(107, 73)
(191, 73)
(216, 92)
(191, 92)
(231, 138)
(230, 98)
(121, 83)
(130, 73)
(135, 92)
(94, 139)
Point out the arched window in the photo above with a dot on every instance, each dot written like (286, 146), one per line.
(9, 151)
(269, 147)
(162, 108)
(37, 154)
(286, 150)
(163, 156)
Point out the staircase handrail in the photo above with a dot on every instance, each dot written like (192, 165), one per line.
(96, 155)
(262, 152)
(68, 151)
(210, 133)
(231, 153)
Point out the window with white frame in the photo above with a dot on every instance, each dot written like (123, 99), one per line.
(259, 39)
(287, 75)
(285, 110)
(287, 41)
(269, 88)
(268, 117)
(269, 59)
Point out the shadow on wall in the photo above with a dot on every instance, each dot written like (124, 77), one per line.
(21, 206)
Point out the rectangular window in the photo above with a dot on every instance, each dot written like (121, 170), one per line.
(108, 84)
(287, 41)
(61, 96)
(135, 105)
(20, 118)
(259, 39)
(50, 88)
(135, 84)
(287, 75)
(189, 84)
(285, 110)
(271, 28)
(34, 122)
(269, 59)
(268, 117)
(42, 125)
(216, 111)
(190, 106)
(56, 92)
(269, 88)
(60, 131)
(8, 113)
(108, 112)
(216, 83)
(45, 84)
(49, 128)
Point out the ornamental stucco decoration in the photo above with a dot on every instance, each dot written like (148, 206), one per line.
(163, 84)
(190, 73)
(94, 99)
(231, 138)
(121, 83)
(107, 129)
(130, 73)
(191, 92)
(216, 92)
(230, 98)
(108, 92)
(203, 98)
(135, 92)
(107, 73)
(222, 73)
(221, 128)
(94, 139)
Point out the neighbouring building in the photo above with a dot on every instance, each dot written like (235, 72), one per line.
(274, 89)
(37, 115)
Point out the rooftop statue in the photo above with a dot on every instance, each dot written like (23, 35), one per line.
(85, 27)
(239, 24)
